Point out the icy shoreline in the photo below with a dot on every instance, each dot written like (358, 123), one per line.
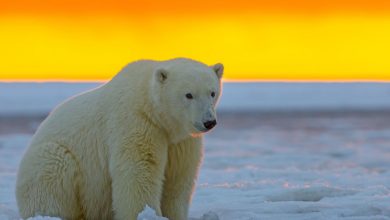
(40, 98)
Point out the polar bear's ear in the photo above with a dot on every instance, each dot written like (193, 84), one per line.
(161, 75)
(218, 69)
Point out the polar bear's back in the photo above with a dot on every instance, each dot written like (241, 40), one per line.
(134, 74)
(88, 111)
(68, 117)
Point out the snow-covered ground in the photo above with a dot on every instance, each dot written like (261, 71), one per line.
(286, 151)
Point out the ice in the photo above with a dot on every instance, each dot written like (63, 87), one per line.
(320, 166)
(149, 214)
(210, 216)
(309, 194)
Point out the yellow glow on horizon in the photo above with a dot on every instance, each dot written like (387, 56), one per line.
(252, 47)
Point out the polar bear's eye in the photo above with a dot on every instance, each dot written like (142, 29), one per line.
(213, 94)
(189, 96)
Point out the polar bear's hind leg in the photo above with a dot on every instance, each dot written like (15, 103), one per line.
(53, 190)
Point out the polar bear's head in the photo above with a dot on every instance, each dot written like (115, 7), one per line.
(186, 93)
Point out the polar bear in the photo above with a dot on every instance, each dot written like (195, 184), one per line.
(135, 141)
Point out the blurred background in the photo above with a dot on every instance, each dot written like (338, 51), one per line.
(304, 119)
(256, 40)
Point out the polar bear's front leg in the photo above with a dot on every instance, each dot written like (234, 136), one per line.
(137, 172)
(180, 176)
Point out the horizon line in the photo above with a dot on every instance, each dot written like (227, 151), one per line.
(223, 80)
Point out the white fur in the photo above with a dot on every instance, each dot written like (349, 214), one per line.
(132, 142)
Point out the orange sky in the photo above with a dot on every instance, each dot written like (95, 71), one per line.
(256, 40)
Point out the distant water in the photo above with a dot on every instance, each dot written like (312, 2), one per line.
(40, 98)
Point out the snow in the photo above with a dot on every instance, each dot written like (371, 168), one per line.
(43, 218)
(149, 214)
(331, 161)
(306, 167)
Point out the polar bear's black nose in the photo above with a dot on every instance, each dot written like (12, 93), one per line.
(210, 124)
